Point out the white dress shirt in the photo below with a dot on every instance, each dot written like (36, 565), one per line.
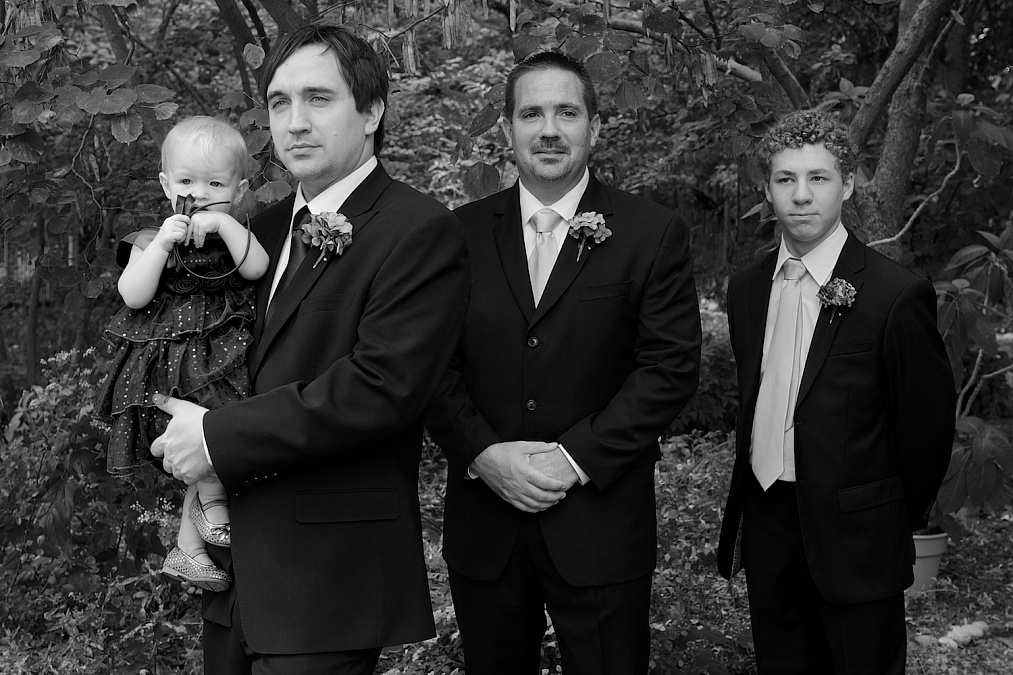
(819, 264)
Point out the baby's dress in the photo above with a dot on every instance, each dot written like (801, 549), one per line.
(190, 342)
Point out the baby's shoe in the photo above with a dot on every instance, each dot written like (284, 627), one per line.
(219, 535)
(182, 567)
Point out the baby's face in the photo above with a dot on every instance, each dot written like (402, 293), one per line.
(212, 178)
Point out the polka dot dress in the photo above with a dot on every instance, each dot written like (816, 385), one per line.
(190, 342)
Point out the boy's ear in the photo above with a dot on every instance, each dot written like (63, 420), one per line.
(241, 189)
(164, 180)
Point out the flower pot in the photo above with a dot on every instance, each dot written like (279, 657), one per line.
(928, 551)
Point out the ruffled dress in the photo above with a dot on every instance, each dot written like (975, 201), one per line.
(190, 342)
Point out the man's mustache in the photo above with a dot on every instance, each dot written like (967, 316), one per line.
(550, 146)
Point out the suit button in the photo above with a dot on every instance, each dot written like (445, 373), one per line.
(531, 405)
(532, 342)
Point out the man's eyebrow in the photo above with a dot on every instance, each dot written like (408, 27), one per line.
(271, 93)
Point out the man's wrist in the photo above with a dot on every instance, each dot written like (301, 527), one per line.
(582, 477)
(204, 439)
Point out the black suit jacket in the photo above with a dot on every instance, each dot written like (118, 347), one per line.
(874, 423)
(603, 365)
(322, 463)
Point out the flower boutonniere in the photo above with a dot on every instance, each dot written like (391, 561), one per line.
(327, 231)
(589, 228)
(836, 293)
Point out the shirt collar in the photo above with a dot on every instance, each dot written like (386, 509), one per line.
(333, 198)
(565, 206)
(820, 261)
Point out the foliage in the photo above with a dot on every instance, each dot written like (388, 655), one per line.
(715, 403)
(75, 569)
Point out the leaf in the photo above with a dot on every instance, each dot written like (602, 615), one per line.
(580, 47)
(232, 100)
(663, 22)
(525, 45)
(256, 116)
(21, 58)
(273, 191)
(126, 128)
(639, 61)
(92, 288)
(619, 41)
(117, 75)
(592, 24)
(963, 125)
(793, 32)
(483, 121)
(481, 180)
(253, 55)
(604, 67)
(26, 147)
(26, 112)
(496, 94)
(983, 158)
(966, 255)
(164, 111)
(816, 6)
(965, 99)
(258, 140)
(739, 144)
(153, 93)
(74, 302)
(629, 96)
(771, 38)
(5, 156)
(752, 31)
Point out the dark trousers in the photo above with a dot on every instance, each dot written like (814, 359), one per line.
(796, 631)
(600, 629)
(226, 652)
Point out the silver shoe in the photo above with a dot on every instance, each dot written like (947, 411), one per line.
(181, 567)
(219, 535)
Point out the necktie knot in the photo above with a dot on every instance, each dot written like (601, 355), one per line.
(545, 221)
(793, 269)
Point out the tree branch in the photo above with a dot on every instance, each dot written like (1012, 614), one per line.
(784, 77)
(921, 207)
(897, 65)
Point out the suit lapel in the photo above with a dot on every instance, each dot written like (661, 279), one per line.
(510, 245)
(359, 208)
(567, 266)
(756, 323)
(272, 237)
(849, 265)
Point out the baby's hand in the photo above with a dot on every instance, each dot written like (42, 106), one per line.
(173, 231)
(204, 223)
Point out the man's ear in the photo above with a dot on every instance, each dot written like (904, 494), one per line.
(849, 186)
(595, 129)
(374, 116)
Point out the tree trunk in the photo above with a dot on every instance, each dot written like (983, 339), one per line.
(283, 14)
(32, 352)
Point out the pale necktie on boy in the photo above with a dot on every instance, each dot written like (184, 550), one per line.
(775, 403)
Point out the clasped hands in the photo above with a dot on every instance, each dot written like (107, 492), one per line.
(528, 475)
(181, 446)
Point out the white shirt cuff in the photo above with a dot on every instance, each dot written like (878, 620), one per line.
(582, 477)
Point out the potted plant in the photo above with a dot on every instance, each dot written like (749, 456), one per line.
(975, 307)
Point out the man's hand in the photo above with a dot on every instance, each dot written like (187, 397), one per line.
(555, 465)
(505, 469)
(182, 445)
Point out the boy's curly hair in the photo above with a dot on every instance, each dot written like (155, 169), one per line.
(809, 127)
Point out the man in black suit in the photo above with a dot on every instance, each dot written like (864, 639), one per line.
(581, 345)
(846, 415)
(322, 462)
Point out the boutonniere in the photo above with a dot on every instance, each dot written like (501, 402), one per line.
(836, 293)
(589, 224)
(327, 231)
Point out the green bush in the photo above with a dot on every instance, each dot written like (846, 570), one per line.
(80, 593)
(714, 405)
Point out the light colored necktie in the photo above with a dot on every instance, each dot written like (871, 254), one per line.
(543, 256)
(775, 403)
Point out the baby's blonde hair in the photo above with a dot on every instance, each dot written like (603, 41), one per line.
(203, 134)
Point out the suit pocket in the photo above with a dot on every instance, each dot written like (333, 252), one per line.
(870, 495)
(323, 303)
(617, 290)
(851, 348)
(342, 506)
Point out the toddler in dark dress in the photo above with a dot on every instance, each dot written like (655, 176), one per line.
(185, 328)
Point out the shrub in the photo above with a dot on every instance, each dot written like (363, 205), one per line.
(714, 405)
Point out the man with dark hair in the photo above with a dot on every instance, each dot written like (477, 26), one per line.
(846, 415)
(350, 341)
(581, 345)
